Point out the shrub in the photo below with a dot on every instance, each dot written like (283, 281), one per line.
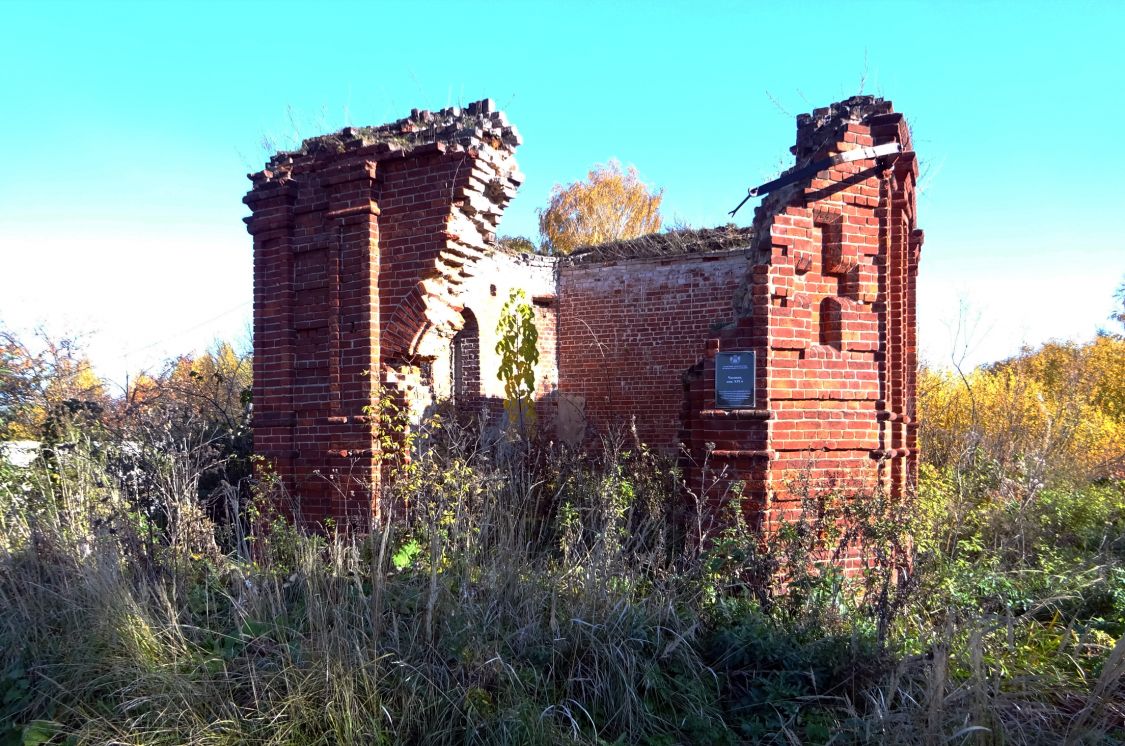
(517, 592)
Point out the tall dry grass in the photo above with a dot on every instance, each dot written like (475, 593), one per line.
(513, 595)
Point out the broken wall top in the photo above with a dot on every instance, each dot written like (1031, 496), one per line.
(824, 127)
(478, 126)
(819, 133)
(664, 244)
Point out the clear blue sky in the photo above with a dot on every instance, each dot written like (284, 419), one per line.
(128, 130)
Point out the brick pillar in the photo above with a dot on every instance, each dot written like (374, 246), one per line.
(361, 241)
(828, 307)
(274, 418)
(316, 264)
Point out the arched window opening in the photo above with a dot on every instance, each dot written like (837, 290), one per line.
(466, 364)
(831, 323)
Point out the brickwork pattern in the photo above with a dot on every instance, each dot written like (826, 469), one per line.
(828, 306)
(628, 330)
(363, 243)
(377, 274)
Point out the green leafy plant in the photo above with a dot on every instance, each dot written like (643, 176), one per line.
(519, 354)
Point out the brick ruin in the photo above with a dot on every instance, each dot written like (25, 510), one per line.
(376, 270)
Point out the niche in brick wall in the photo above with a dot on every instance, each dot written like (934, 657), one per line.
(830, 227)
(466, 365)
(831, 323)
(828, 232)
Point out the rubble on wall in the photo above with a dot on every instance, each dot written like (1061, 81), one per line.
(817, 133)
(824, 127)
(455, 128)
(665, 244)
(375, 249)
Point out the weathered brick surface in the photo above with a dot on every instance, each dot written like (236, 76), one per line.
(376, 271)
(828, 306)
(364, 243)
(628, 329)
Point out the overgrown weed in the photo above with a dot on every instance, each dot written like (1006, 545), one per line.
(519, 594)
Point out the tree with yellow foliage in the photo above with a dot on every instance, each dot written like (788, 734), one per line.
(212, 387)
(610, 205)
(197, 409)
(1056, 413)
(41, 382)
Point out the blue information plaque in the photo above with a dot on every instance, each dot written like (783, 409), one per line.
(734, 380)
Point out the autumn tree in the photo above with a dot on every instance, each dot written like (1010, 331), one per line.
(199, 401)
(211, 388)
(41, 382)
(1056, 413)
(610, 205)
(195, 412)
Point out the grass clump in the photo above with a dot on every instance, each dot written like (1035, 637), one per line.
(519, 594)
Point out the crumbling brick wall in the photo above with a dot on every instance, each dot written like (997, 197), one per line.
(632, 317)
(368, 244)
(482, 298)
(377, 275)
(827, 306)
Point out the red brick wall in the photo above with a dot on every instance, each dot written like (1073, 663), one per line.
(414, 203)
(363, 240)
(370, 254)
(466, 367)
(628, 330)
(829, 310)
(314, 318)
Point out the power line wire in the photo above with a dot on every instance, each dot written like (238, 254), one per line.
(182, 332)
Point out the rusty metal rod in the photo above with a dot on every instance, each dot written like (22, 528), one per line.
(858, 154)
